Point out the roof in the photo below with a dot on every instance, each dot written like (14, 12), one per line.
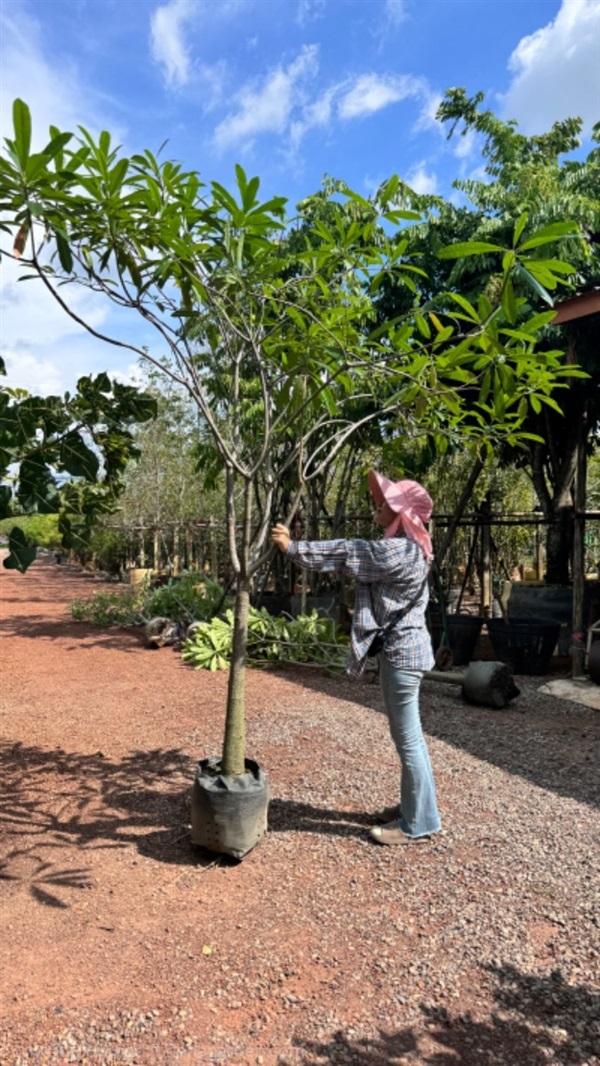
(586, 303)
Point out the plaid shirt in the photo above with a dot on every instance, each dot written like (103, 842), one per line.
(389, 575)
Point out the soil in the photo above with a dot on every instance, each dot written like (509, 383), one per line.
(124, 944)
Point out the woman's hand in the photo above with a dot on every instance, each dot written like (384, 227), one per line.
(280, 536)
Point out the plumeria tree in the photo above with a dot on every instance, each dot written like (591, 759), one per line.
(276, 341)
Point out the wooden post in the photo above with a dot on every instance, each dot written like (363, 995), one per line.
(189, 548)
(176, 559)
(539, 553)
(214, 565)
(578, 562)
(155, 550)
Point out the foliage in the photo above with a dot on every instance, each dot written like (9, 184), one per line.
(308, 639)
(162, 484)
(122, 608)
(187, 599)
(531, 184)
(40, 530)
(108, 548)
(508, 490)
(65, 455)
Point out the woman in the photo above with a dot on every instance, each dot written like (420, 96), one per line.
(391, 590)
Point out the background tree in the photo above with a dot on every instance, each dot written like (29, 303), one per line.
(166, 496)
(531, 182)
(66, 456)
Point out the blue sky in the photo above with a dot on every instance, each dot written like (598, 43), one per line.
(292, 89)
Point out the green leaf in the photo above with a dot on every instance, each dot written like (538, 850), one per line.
(77, 458)
(534, 285)
(22, 553)
(389, 189)
(466, 306)
(549, 234)
(466, 248)
(509, 303)
(64, 253)
(54, 147)
(423, 326)
(22, 124)
(520, 226)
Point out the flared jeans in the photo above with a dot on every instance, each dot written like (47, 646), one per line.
(419, 815)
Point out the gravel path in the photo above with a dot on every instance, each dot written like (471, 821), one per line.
(123, 945)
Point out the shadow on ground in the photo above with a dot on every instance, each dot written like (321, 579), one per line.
(537, 1020)
(54, 799)
(513, 739)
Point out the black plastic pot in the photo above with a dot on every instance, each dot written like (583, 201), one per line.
(594, 662)
(276, 603)
(527, 646)
(463, 633)
(229, 814)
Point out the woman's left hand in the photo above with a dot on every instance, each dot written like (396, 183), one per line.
(280, 536)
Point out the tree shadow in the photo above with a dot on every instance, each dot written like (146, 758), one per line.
(537, 1020)
(553, 744)
(53, 800)
(82, 634)
(286, 815)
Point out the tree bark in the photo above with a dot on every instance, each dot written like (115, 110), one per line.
(459, 511)
(233, 761)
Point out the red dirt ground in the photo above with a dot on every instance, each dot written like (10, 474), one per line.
(123, 944)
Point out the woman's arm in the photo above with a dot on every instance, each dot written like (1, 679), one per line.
(364, 560)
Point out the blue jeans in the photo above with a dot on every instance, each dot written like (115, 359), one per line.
(418, 804)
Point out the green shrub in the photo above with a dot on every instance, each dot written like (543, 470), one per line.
(123, 608)
(40, 529)
(191, 597)
(109, 548)
(308, 639)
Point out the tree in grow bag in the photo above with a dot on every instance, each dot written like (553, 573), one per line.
(270, 323)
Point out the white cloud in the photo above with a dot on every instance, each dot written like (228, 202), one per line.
(169, 49)
(466, 144)
(50, 84)
(423, 181)
(309, 11)
(268, 107)
(45, 351)
(396, 11)
(557, 70)
(372, 92)
(317, 114)
(40, 376)
(427, 119)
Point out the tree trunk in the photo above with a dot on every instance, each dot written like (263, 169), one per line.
(459, 511)
(233, 762)
(558, 544)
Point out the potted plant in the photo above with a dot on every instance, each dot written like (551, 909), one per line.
(270, 326)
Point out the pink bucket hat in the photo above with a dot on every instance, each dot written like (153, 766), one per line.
(411, 504)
